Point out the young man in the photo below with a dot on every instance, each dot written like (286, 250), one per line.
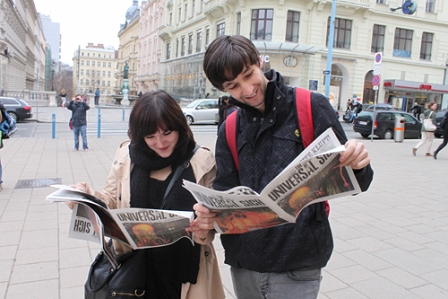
(284, 261)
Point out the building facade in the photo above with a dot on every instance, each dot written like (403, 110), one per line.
(128, 50)
(150, 49)
(292, 37)
(52, 33)
(94, 67)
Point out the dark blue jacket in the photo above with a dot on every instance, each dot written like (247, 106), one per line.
(79, 113)
(266, 145)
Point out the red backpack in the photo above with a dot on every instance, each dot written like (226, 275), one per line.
(305, 121)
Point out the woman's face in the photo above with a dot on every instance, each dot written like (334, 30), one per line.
(433, 107)
(162, 142)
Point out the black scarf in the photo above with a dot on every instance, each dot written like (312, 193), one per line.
(144, 162)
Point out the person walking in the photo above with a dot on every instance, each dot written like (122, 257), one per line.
(427, 135)
(417, 110)
(284, 261)
(160, 141)
(97, 97)
(79, 119)
(63, 96)
(444, 125)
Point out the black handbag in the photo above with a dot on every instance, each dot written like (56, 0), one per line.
(127, 280)
(123, 276)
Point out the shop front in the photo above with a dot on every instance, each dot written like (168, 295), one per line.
(403, 94)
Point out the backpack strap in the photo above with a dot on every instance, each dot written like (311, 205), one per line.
(305, 116)
(231, 127)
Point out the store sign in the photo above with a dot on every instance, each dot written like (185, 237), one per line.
(426, 87)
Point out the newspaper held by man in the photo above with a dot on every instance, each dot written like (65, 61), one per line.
(138, 228)
(314, 176)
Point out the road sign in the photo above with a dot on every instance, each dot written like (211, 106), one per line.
(326, 72)
(376, 80)
(375, 87)
(377, 63)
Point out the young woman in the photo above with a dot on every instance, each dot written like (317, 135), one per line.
(141, 171)
(427, 136)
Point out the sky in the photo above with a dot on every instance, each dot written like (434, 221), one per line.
(84, 21)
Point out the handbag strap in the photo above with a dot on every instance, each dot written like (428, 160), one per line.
(177, 173)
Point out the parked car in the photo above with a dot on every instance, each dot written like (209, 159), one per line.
(438, 133)
(384, 124)
(201, 111)
(382, 106)
(17, 108)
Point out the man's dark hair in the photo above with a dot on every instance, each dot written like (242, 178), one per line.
(227, 56)
(158, 110)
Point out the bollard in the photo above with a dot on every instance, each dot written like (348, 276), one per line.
(53, 126)
(123, 114)
(399, 128)
(99, 125)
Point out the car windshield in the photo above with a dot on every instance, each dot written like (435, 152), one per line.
(366, 113)
(193, 104)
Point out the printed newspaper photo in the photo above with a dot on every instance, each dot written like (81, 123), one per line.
(314, 176)
(137, 227)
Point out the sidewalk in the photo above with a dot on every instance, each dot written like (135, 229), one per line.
(390, 242)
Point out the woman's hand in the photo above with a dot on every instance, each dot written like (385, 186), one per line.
(80, 187)
(355, 155)
(204, 218)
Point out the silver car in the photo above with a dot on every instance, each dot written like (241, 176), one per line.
(201, 111)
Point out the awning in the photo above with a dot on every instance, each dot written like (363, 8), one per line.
(415, 86)
(283, 47)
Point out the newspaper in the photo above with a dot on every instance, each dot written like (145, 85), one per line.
(314, 176)
(138, 228)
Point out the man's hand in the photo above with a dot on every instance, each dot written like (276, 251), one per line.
(355, 155)
(204, 218)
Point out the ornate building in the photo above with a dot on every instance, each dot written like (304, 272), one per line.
(150, 45)
(292, 37)
(128, 49)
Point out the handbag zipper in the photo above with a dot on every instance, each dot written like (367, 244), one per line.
(135, 294)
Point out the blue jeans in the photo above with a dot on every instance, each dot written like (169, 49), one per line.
(294, 284)
(82, 130)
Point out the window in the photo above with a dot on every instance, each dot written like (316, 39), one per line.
(342, 33)
(198, 41)
(381, 1)
(402, 42)
(201, 6)
(87, 82)
(220, 29)
(192, 7)
(168, 51)
(87, 63)
(207, 36)
(93, 63)
(190, 44)
(170, 18)
(180, 15)
(108, 74)
(182, 46)
(87, 73)
(109, 64)
(238, 23)
(261, 24)
(104, 64)
(104, 73)
(430, 5)
(378, 38)
(103, 83)
(81, 82)
(82, 72)
(426, 46)
(108, 83)
(185, 11)
(82, 62)
(292, 26)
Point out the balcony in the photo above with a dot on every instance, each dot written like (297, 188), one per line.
(165, 32)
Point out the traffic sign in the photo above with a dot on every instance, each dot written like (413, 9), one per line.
(376, 80)
(377, 63)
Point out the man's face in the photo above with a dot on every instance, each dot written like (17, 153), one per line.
(249, 87)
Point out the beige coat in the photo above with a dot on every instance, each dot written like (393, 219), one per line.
(116, 194)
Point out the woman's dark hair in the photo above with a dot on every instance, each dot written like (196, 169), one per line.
(227, 56)
(158, 110)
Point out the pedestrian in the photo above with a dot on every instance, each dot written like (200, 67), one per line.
(160, 140)
(349, 105)
(207, 95)
(444, 126)
(2, 110)
(79, 120)
(284, 261)
(427, 136)
(417, 110)
(224, 109)
(63, 96)
(97, 97)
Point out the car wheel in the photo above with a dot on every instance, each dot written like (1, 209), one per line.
(13, 116)
(365, 135)
(189, 119)
(388, 134)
